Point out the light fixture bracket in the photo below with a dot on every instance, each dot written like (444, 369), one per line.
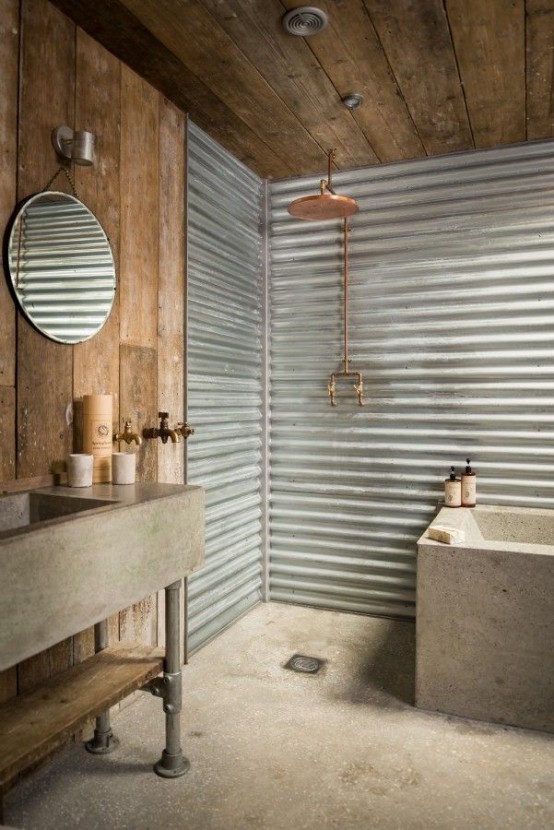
(74, 145)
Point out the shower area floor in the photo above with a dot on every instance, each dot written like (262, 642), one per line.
(278, 749)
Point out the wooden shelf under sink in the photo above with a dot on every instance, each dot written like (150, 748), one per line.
(38, 722)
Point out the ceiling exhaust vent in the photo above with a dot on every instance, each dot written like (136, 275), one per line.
(304, 21)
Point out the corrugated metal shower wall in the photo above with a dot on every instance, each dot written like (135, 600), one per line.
(224, 386)
(452, 324)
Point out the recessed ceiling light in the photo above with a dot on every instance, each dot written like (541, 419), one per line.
(353, 100)
(304, 21)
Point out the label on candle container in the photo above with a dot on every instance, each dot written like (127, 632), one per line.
(97, 434)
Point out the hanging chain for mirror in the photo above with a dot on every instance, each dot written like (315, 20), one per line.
(69, 177)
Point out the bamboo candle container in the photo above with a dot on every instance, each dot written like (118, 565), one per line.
(97, 435)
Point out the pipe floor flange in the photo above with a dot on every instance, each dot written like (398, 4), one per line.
(98, 746)
(171, 766)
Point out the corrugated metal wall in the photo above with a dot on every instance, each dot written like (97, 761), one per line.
(452, 324)
(224, 380)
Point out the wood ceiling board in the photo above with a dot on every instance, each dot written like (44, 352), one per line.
(489, 38)
(540, 68)
(124, 36)
(352, 56)
(437, 76)
(190, 32)
(288, 64)
(416, 39)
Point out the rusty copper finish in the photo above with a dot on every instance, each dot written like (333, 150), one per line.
(323, 206)
(346, 371)
(327, 204)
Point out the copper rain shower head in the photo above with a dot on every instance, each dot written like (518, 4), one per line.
(326, 205)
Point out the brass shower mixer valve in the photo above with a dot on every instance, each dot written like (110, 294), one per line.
(358, 386)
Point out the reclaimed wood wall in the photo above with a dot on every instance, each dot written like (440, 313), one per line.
(53, 74)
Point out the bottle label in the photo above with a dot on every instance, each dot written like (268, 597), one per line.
(469, 490)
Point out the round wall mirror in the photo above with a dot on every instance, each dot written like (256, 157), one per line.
(61, 267)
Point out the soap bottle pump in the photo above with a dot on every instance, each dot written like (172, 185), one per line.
(452, 490)
(469, 486)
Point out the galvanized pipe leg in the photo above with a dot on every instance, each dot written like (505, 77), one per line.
(104, 741)
(173, 763)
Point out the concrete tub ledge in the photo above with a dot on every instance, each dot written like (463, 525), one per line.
(485, 617)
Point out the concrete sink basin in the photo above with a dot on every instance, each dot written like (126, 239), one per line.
(23, 509)
(70, 558)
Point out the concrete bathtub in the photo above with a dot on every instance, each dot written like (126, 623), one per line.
(485, 616)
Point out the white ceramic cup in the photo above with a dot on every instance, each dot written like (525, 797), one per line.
(79, 469)
(124, 467)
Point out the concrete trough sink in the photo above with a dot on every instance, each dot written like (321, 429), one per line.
(70, 558)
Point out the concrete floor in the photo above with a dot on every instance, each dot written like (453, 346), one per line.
(273, 749)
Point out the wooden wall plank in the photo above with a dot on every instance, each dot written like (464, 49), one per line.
(540, 68)
(139, 212)
(489, 39)
(7, 433)
(416, 35)
(139, 389)
(44, 368)
(9, 65)
(171, 287)
(98, 92)
(96, 361)
(44, 387)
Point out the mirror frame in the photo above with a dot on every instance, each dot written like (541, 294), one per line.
(91, 304)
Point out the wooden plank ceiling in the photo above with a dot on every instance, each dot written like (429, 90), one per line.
(437, 76)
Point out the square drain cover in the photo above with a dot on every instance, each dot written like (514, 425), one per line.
(304, 664)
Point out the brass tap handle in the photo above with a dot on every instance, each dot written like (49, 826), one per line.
(185, 429)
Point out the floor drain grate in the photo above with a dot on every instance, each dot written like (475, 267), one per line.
(304, 664)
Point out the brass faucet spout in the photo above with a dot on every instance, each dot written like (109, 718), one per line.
(128, 435)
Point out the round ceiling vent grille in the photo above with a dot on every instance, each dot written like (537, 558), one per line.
(304, 21)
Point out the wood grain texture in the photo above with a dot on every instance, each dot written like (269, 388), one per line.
(34, 724)
(44, 384)
(353, 58)
(489, 39)
(139, 212)
(9, 57)
(139, 392)
(540, 68)
(44, 368)
(122, 34)
(32, 672)
(98, 91)
(171, 285)
(7, 433)
(437, 76)
(416, 35)
(206, 50)
(291, 66)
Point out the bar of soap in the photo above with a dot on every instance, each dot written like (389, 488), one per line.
(442, 533)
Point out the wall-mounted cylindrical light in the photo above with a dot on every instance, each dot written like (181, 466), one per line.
(75, 145)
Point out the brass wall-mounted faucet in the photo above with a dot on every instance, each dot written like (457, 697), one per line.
(163, 431)
(128, 435)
